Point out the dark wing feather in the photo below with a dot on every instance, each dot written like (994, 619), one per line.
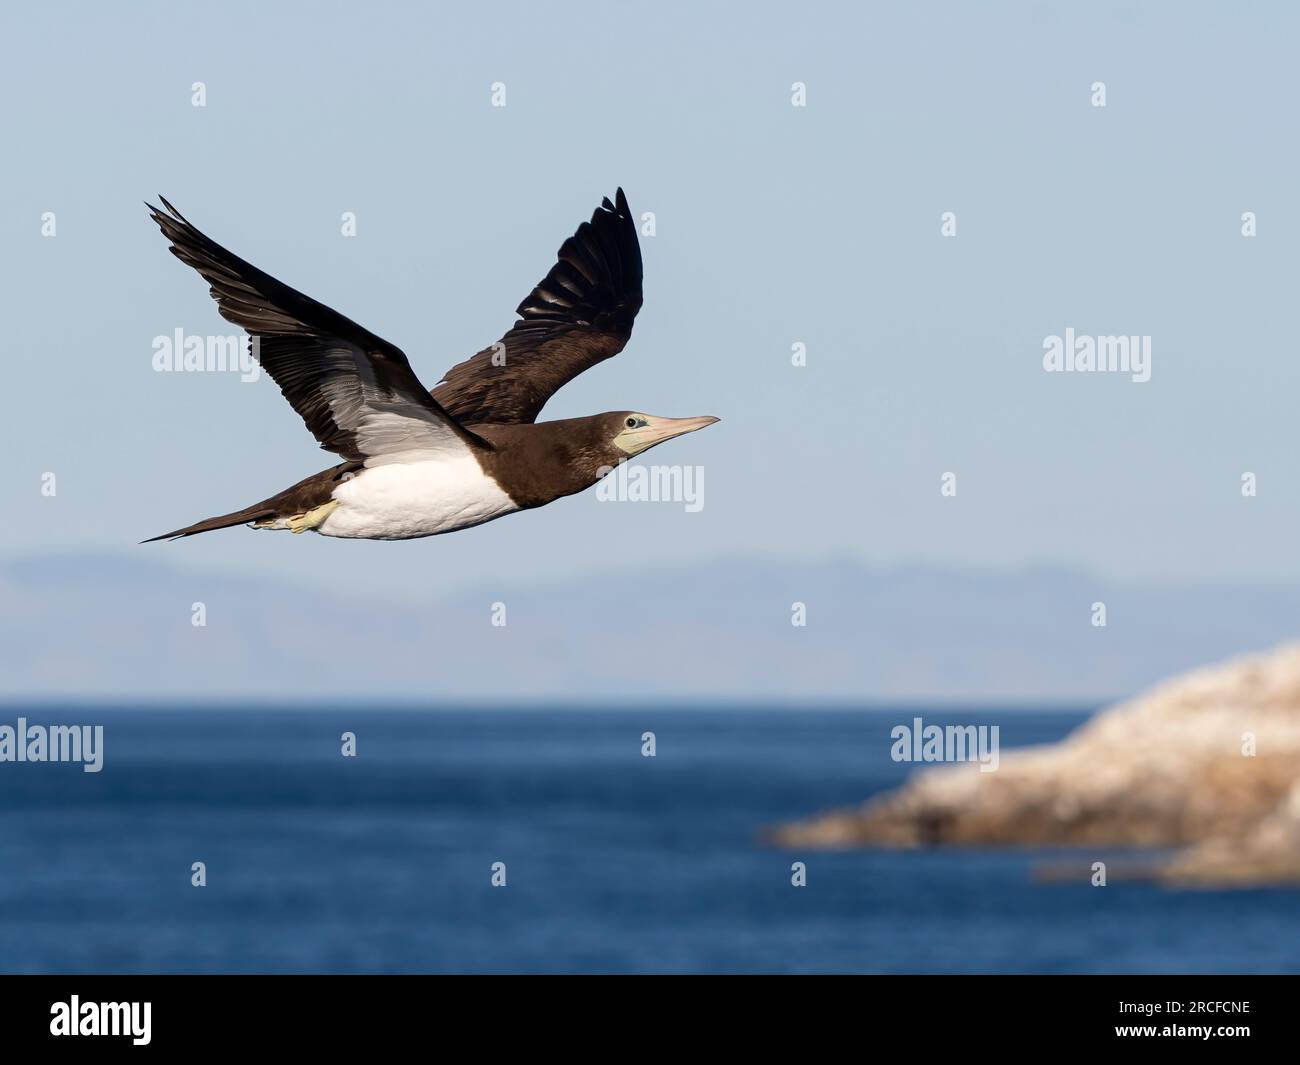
(580, 314)
(356, 392)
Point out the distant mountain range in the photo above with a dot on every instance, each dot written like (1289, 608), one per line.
(121, 628)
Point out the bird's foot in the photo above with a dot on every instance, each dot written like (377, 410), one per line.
(312, 519)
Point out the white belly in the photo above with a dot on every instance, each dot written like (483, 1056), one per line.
(398, 501)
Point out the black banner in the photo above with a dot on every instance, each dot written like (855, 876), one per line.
(170, 1014)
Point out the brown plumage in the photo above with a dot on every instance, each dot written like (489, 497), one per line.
(580, 314)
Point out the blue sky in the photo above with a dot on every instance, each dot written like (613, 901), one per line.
(774, 225)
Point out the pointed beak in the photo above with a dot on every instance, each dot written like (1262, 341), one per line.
(657, 430)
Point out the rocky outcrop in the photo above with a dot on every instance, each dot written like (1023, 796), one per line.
(1269, 853)
(1209, 761)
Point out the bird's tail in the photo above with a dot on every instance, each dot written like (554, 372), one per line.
(257, 512)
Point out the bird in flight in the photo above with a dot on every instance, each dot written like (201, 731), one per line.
(417, 463)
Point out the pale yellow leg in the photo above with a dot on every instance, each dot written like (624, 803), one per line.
(313, 519)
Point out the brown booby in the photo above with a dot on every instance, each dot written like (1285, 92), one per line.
(419, 462)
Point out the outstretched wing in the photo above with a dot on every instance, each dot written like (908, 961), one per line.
(580, 314)
(356, 392)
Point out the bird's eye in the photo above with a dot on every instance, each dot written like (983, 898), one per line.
(631, 423)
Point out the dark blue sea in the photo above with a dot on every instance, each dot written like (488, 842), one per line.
(614, 862)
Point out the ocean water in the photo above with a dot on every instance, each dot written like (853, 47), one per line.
(614, 862)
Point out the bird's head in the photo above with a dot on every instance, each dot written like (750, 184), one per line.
(571, 454)
(630, 432)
